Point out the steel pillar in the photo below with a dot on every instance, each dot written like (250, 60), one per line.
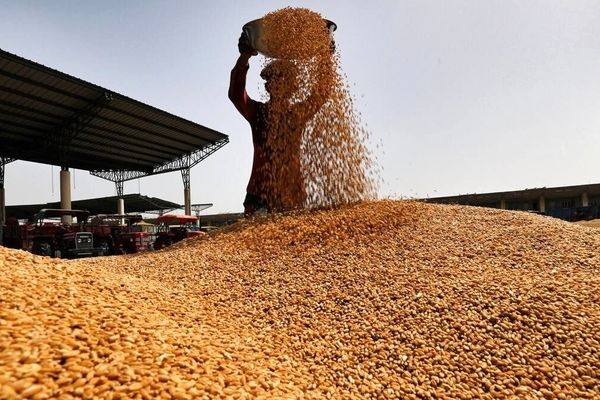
(2, 214)
(187, 199)
(119, 188)
(2, 199)
(3, 162)
(2, 206)
(65, 193)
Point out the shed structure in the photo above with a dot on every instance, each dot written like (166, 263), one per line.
(136, 203)
(570, 203)
(49, 117)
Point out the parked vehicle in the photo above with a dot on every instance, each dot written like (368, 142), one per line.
(48, 235)
(118, 234)
(14, 234)
(174, 228)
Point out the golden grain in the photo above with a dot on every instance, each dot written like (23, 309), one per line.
(387, 299)
(315, 136)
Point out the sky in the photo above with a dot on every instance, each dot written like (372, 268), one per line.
(458, 96)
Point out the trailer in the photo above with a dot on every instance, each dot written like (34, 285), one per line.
(118, 233)
(174, 228)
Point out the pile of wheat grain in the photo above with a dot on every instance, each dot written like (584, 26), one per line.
(375, 300)
(319, 156)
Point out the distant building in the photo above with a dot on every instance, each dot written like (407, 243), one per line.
(218, 220)
(571, 203)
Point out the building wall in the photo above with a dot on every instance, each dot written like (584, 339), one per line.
(568, 202)
(521, 205)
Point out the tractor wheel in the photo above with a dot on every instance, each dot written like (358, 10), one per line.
(103, 244)
(42, 248)
(162, 242)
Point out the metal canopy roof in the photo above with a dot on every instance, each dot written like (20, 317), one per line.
(49, 117)
(520, 195)
(134, 203)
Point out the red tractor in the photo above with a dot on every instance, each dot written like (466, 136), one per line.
(174, 228)
(48, 235)
(118, 234)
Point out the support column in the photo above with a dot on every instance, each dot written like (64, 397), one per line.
(120, 200)
(187, 198)
(2, 203)
(503, 204)
(2, 207)
(2, 199)
(2, 215)
(121, 206)
(65, 193)
(585, 201)
(3, 162)
(542, 204)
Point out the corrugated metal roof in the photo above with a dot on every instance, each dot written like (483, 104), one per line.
(524, 195)
(49, 117)
(134, 203)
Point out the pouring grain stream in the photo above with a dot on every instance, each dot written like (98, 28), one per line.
(375, 300)
(309, 144)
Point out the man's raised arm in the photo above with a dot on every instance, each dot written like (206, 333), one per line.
(237, 82)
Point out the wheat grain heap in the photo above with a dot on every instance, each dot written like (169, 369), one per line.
(320, 160)
(379, 300)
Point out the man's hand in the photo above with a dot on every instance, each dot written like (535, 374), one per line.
(244, 45)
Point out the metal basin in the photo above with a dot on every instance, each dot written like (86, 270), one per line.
(254, 30)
